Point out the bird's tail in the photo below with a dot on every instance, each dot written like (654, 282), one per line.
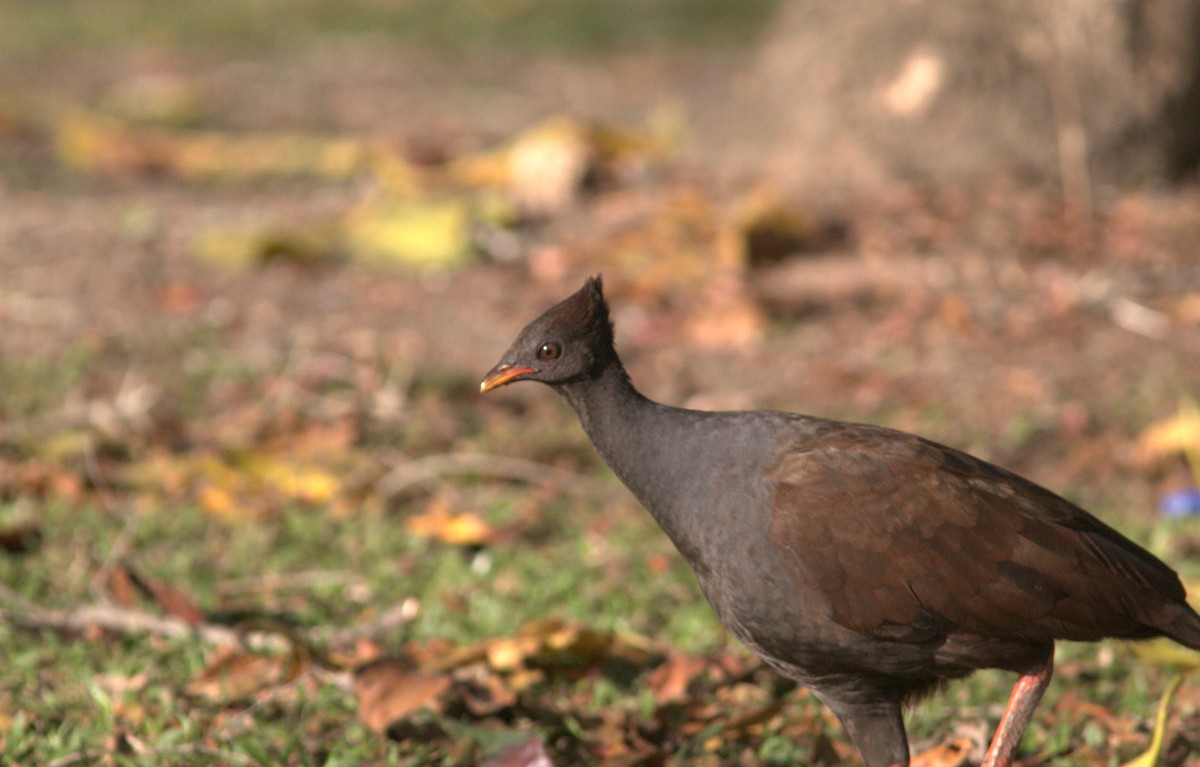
(1184, 628)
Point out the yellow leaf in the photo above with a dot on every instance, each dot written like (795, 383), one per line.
(441, 523)
(410, 233)
(1151, 755)
(466, 530)
(243, 249)
(64, 445)
(218, 502)
(1179, 433)
(308, 485)
(510, 653)
(98, 142)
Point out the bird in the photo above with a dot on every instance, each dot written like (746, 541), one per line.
(868, 564)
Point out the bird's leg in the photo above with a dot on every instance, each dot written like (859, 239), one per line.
(1026, 694)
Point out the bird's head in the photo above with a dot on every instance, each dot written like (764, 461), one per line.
(571, 341)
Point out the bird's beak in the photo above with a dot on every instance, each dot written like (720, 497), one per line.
(502, 374)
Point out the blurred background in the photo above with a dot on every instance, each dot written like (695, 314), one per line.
(255, 257)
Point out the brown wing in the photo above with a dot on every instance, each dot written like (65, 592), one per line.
(910, 540)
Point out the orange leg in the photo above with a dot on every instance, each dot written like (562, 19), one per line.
(1026, 694)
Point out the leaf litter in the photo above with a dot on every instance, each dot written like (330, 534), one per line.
(541, 687)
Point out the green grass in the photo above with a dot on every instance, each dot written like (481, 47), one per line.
(63, 694)
(44, 27)
(594, 559)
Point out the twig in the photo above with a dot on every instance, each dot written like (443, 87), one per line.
(122, 620)
(110, 617)
(429, 468)
(277, 581)
(394, 617)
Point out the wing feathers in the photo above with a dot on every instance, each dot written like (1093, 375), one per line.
(907, 539)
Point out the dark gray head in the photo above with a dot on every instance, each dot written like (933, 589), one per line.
(572, 341)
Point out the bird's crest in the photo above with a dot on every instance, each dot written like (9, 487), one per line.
(583, 313)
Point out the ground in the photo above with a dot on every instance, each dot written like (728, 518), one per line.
(295, 445)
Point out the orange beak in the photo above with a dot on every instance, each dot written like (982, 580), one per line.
(502, 374)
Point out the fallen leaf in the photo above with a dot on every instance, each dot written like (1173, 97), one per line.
(388, 690)
(770, 228)
(751, 719)
(547, 165)
(218, 502)
(950, 754)
(306, 484)
(485, 693)
(511, 653)
(125, 582)
(122, 586)
(311, 246)
(1178, 434)
(235, 675)
(175, 602)
(670, 680)
(528, 754)
(102, 143)
(543, 168)
(1150, 757)
(406, 232)
(440, 523)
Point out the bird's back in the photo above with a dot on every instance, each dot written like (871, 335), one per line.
(911, 542)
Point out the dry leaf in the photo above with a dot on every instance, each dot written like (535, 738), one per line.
(1178, 434)
(485, 693)
(306, 484)
(310, 246)
(218, 502)
(769, 228)
(236, 675)
(405, 232)
(552, 644)
(97, 142)
(511, 653)
(442, 524)
(175, 602)
(950, 754)
(388, 690)
(125, 582)
(123, 587)
(671, 679)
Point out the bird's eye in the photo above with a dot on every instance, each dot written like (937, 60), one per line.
(549, 351)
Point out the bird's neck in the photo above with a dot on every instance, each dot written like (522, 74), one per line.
(633, 434)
